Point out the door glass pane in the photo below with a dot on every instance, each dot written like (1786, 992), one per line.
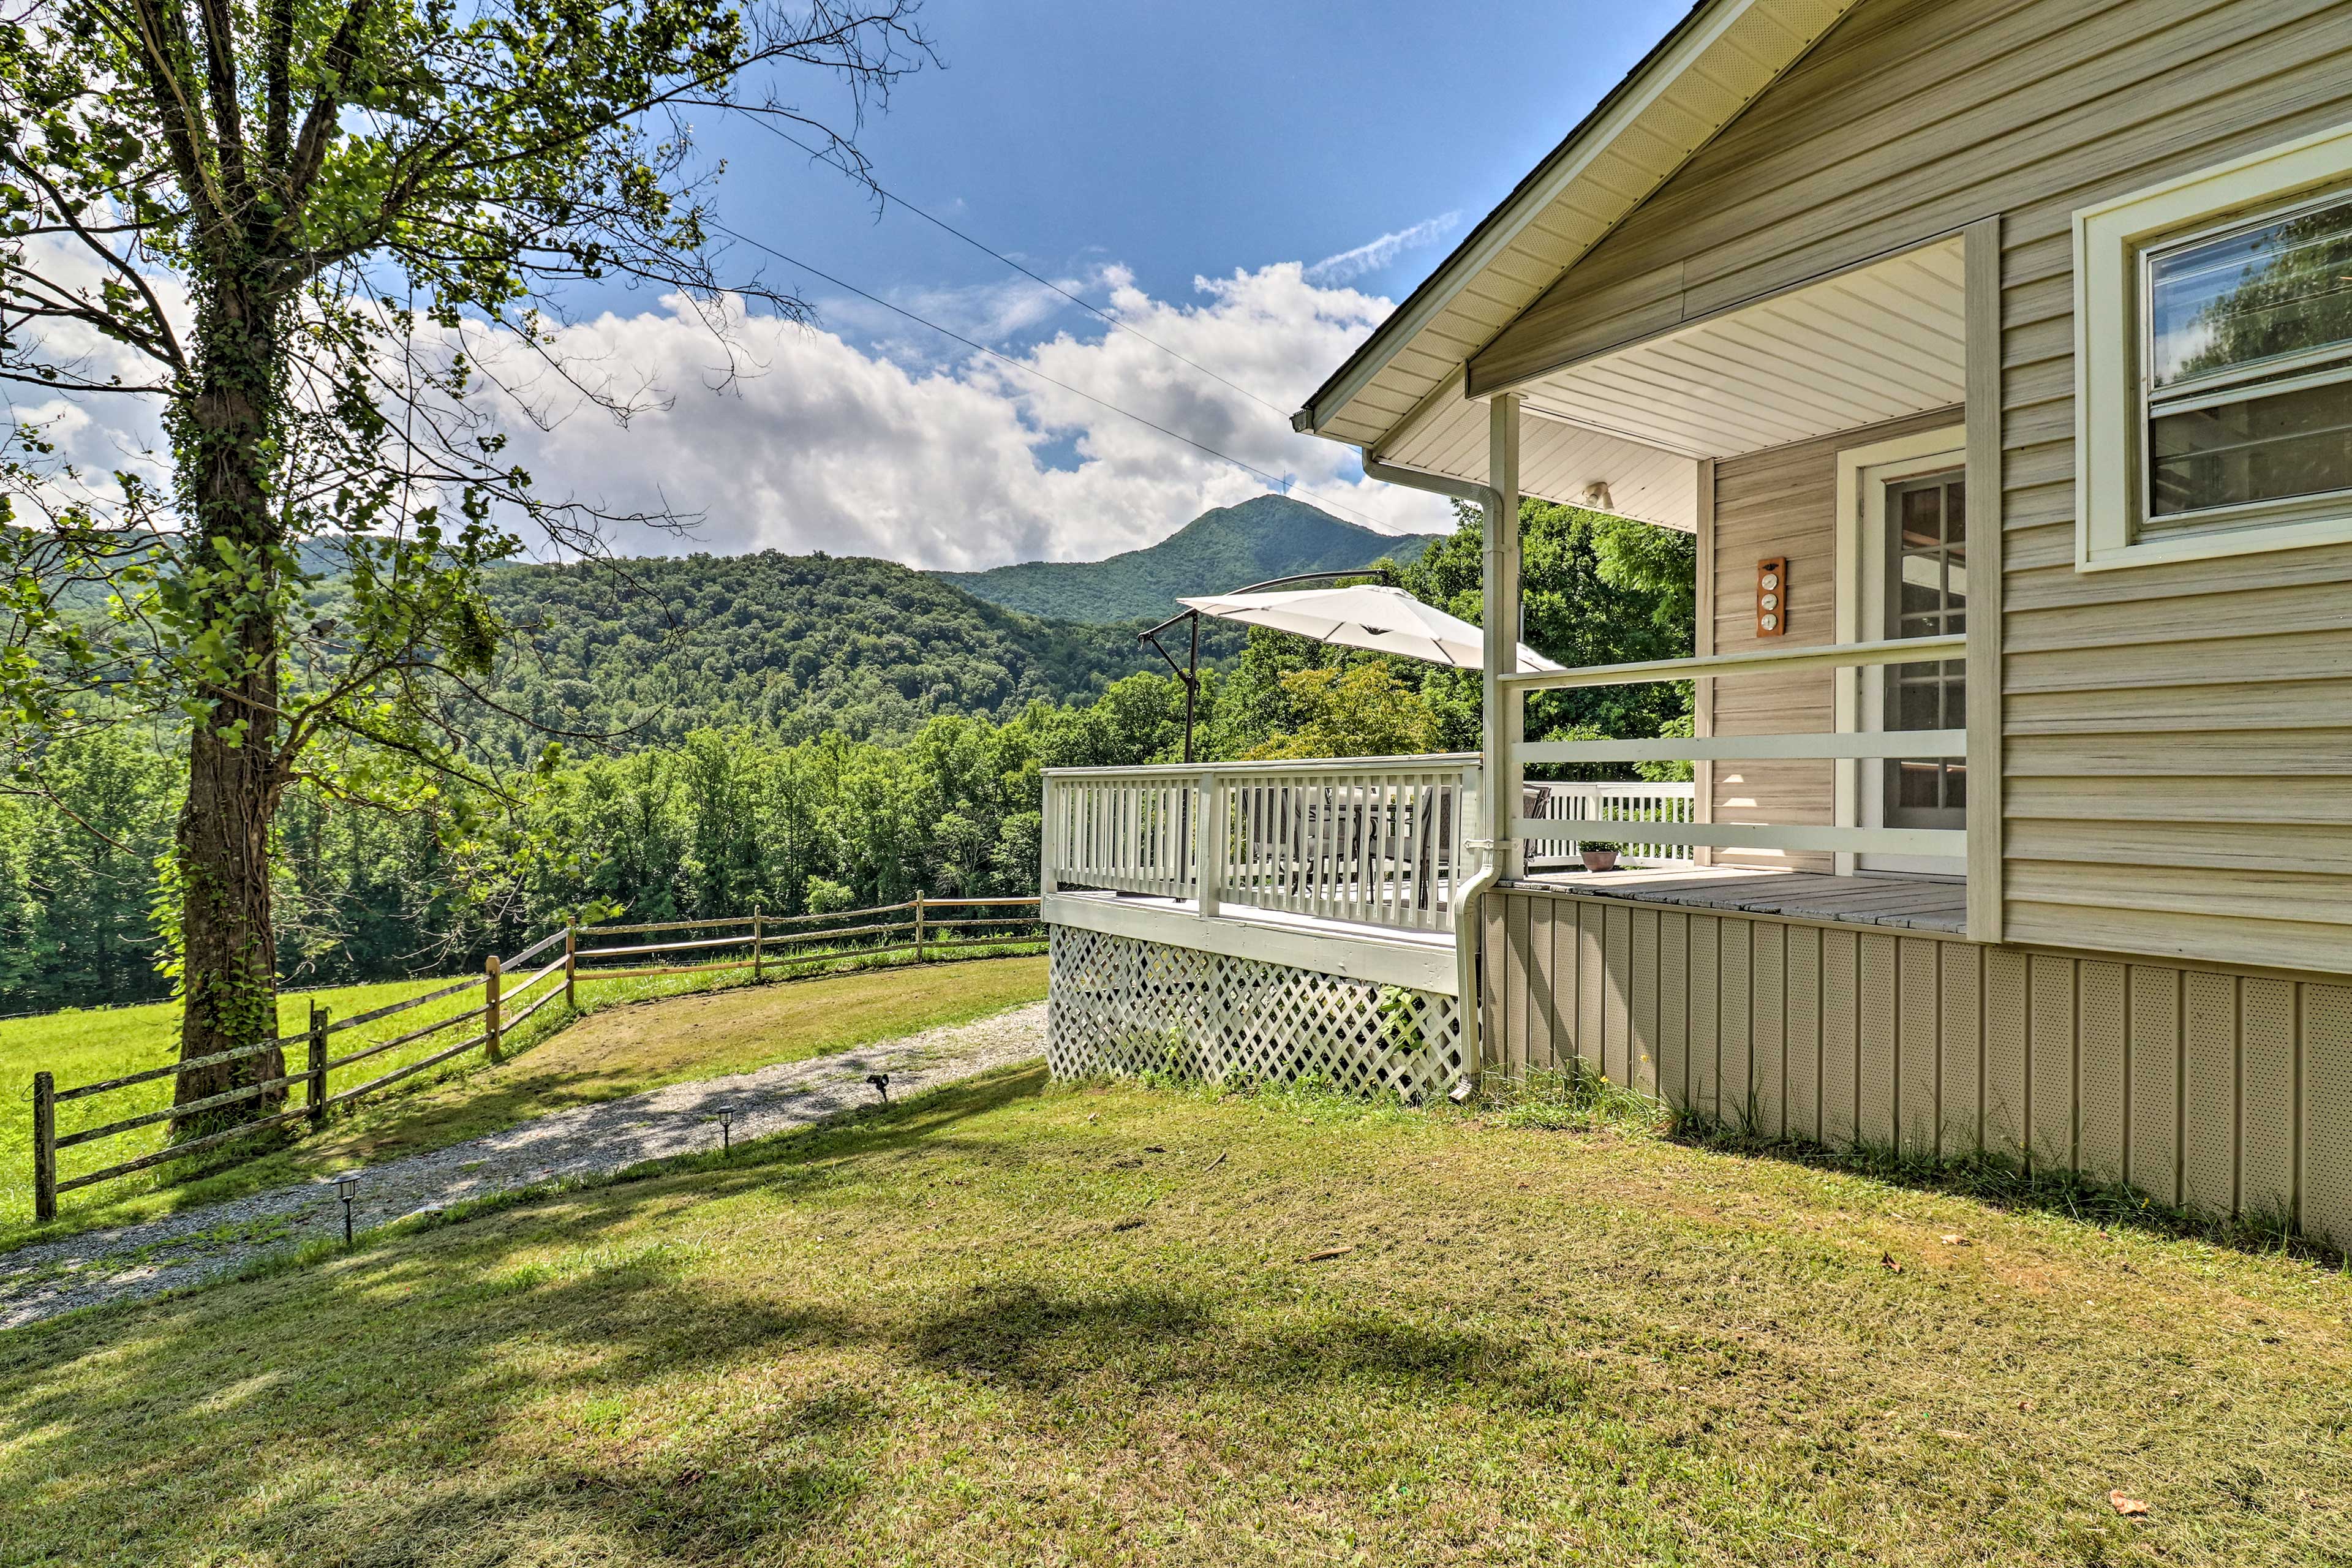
(1922, 517)
(1918, 705)
(1925, 597)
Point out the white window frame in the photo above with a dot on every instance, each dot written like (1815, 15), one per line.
(2111, 243)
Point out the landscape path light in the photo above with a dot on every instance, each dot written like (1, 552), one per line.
(345, 1185)
(726, 1114)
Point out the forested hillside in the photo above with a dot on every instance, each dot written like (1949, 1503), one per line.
(815, 733)
(785, 647)
(1217, 552)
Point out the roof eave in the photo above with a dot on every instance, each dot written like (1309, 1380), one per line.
(1659, 67)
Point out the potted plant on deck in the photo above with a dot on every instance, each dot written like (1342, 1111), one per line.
(1599, 853)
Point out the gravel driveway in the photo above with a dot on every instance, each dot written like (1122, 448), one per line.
(142, 1260)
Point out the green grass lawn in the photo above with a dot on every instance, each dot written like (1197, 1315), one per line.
(549, 1065)
(1014, 1323)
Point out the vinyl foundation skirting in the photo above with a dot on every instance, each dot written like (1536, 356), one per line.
(2227, 1093)
(1123, 1006)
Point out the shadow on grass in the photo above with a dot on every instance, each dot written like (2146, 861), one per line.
(451, 1393)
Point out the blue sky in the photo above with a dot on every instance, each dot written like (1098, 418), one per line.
(1195, 139)
(1190, 168)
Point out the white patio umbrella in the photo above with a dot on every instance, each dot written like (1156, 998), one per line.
(1385, 620)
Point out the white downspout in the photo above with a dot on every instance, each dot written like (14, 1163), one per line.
(1501, 562)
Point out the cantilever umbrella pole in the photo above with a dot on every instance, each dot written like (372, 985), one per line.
(1190, 672)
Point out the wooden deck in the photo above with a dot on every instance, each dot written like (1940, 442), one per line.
(1919, 903)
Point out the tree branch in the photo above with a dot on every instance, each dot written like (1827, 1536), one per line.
(318, 125)
(183, 126)
(172, 354)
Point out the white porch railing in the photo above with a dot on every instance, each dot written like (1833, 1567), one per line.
(1616, 813)
(1374, 841)
(1894, 744)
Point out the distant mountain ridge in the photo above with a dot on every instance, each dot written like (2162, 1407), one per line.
(1230, 547)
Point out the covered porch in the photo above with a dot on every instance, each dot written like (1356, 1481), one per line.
(1829, 446)
(1824, 447)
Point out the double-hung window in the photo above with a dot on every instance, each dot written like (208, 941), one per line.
(2214, 350)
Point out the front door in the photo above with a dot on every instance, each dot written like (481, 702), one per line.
(1924, 595)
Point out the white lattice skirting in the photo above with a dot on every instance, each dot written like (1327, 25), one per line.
(1121, 1007)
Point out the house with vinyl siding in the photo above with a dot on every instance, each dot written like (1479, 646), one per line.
(1997, 354)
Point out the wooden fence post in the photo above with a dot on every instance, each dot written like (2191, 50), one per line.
(919, 925)
(44, 1147)
(759, 947)
(491, 1011)
(571, 964)
(316, 1085)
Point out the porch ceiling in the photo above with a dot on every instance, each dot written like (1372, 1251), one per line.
(1558, 460)
(1869, 345)
(1858, 348)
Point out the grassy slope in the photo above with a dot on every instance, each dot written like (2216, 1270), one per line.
(1013, 1324)
(1218, 551)
(732, 1028)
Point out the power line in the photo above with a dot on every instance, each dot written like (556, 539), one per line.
(1279, 412)
(1280, 482)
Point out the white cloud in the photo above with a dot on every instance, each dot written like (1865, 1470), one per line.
(827, 445)
(98, 432)
(874, 437)
(1370, 256)
(991, 313)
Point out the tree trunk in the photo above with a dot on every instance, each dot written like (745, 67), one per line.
(230, 952)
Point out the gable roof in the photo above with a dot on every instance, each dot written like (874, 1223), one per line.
(1715, 62)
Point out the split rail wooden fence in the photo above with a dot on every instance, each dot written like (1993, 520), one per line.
(922, 927)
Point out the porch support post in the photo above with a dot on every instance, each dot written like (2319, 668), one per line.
(1703, 643)
(1981, 333)
(1209, 837)
(1504, 708)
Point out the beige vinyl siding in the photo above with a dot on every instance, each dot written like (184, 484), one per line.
(2177, 739)
(1782, 502)
(2228, 1092)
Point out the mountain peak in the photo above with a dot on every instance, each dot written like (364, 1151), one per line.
(1221, 550)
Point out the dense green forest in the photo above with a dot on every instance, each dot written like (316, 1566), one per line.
(639, 653)
(1217, 552)
(720, 806)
